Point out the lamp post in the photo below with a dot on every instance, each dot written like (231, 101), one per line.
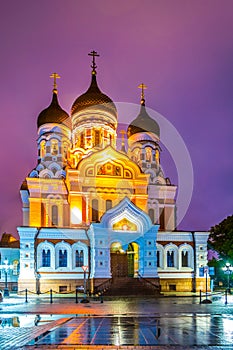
(6, 267)
(85, 300)
(206, 301)
(228, 271)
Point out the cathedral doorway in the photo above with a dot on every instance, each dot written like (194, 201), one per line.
(124, 263)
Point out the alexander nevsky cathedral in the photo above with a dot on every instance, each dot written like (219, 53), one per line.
(92, 207)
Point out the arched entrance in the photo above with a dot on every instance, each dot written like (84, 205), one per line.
(124, 263)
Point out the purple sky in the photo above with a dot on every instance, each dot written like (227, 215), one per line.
(182, 50)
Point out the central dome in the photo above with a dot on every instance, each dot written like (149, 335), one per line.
(93, 97)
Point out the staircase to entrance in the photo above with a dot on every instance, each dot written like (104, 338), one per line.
(129, 286)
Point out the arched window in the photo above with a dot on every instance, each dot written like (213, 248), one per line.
(97, 138)
(157, 156)
(65, 149)
(148, 154)
(62, 258)
(42, 149)
(82, 140)
(151, 215)
(108, 204)
(79, 258)
(158, 258)
(46, 258)
(54, 147)
(184, 259)
(95, 210)
(170, 259)
(54, 215)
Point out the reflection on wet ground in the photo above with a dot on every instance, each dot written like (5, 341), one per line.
(117, 330)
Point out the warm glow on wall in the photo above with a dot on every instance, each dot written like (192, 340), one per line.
(76, 215)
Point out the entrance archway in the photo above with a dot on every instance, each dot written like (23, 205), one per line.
(124, 263)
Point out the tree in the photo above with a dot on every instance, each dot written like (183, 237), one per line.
(221, 239)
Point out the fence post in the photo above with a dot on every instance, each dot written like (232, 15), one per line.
(200, 296)
(76, 295)
(26, 295)
(51, 296)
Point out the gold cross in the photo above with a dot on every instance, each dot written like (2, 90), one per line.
(55, 76)
(93, 54)
(142, 86)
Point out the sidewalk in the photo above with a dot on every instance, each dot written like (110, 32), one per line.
(204, 326)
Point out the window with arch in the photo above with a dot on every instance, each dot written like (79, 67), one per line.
(157, 155)
(54, 147)
(97, 138)
(184, 258)
(170, 259)
(82, 140)
(62, 262)
(108, 204)
(79, 258)
(65, 149)
(95, 210)
(158, 258)
(151, 215)
(46, 258)
(148, 154)
(42, 149)
(54, 215)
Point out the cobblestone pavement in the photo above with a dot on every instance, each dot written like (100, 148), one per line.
(124, 323)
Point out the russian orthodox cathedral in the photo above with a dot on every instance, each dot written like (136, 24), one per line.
(91, 208)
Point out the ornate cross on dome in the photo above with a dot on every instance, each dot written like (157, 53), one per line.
(55, 76)
(143, 87)
(93, 66)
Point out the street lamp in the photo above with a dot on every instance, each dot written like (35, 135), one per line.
(6, 267)
(228, 271)
(85, 300)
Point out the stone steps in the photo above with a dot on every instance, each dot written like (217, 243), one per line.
(125, 286)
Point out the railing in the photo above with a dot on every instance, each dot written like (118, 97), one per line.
(146, 281)
(103, 287)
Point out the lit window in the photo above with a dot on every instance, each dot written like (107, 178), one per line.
(157, 156)
(97, 138)
(54, 147)
(42, 149)
(148, 154)
(65, 149)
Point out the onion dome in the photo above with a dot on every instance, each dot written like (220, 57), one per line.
(143, 122)
(54, 113)
(93, 96)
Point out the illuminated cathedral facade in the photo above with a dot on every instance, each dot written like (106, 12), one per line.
(90, 206)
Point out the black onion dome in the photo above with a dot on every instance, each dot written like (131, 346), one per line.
(143, 123)
(53, 114)
(92, 97)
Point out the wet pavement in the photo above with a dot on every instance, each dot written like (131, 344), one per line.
(122, 323)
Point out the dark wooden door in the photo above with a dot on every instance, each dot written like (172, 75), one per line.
(119, 264)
